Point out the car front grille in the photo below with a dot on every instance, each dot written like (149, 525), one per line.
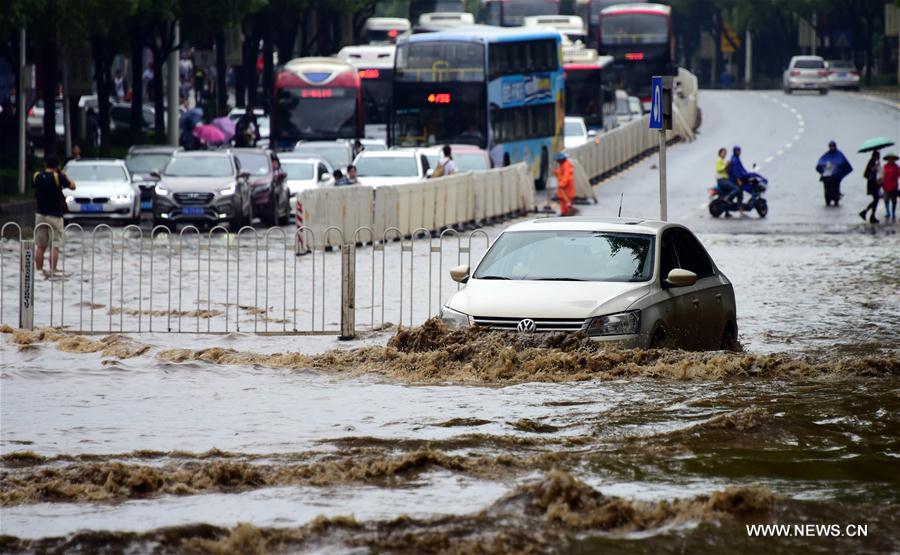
(541, 324)
(88, 200)
(193, 198)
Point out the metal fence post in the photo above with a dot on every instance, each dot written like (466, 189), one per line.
(26, 286)
(348, 291)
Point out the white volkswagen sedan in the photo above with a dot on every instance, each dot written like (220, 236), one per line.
(104, 190)
(391, 167)
(637, 283)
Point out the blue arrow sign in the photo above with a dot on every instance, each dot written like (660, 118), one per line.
(656, 107)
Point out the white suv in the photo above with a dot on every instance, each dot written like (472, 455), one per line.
(806, 73)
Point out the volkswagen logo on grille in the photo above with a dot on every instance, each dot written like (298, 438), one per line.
(526, 326)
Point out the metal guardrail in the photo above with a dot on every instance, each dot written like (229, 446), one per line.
(129, 281)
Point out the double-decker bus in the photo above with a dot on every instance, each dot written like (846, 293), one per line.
(589, 91)
(512, 13)
(419, 7)
(316, 99)
(498, 89)
(639, 38)
(375, 66)
(589, 11)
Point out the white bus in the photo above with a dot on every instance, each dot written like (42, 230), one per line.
(381, 30)
(375, 66)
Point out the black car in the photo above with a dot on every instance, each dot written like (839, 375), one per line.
(271, 197)
(202, 187)
(142, 161)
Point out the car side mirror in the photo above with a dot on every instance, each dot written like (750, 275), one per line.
(429, 173)
(155, 175)
(244, 175)
(460, 274)
(679, 277)
(323, 177)
(592, 133)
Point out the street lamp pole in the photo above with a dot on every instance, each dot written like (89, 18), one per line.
(21, 99)
(172, 64)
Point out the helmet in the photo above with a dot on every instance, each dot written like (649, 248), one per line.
(560, 156)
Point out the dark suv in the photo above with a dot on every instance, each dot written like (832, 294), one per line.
(202, 188)
(271, 198)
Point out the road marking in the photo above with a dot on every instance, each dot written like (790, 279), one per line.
(789, 145)
(796, 138)
(704, 205)
(793, 110)
(769, 159)
(779, 153)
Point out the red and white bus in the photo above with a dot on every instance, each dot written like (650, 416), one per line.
(589, 93)
(589, 11)
(512, 13)
(640, 40)
(316, 99)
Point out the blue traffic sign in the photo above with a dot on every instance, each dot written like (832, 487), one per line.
(656, 107)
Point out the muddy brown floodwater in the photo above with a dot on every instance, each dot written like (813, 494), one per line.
(437, 441)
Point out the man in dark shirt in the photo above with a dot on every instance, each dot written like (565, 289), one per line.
(50, 206)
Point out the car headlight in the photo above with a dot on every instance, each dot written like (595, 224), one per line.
(70, 198)
(228, 191)
(161, 191)
(453, 319)
(621, 323)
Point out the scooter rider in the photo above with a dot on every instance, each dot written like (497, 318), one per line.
(727, 189)
(738, 175)
(833, 167)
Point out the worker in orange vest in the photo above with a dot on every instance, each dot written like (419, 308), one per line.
(565, 179)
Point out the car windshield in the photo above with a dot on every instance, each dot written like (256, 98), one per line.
(298, 170)
(337, 155)
(254, 164)
(635, 105)
(199, 166)
(471, 162)
(387, 166)
(569, 256)
(573, 129)
(809, 64)
(91, 172)
(146, 163)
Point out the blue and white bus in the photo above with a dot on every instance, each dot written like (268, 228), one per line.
(496, 88)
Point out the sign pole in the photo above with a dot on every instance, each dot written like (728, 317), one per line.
(663, 195)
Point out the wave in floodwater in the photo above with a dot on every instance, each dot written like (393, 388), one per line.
(432, 353)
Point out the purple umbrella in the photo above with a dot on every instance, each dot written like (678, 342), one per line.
(209, 134)
(226, 126)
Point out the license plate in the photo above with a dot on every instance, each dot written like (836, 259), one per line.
(809, 85)
(842, 75)
(92, 208)
(146, 204)
(193, 211)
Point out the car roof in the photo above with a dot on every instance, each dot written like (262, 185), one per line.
(621, 225)
(97, 162)
(203, 154)
(154, 149)
(341, 143)
(301, 160)
(389, 153)
(816, 58)
(454, 148)
(250, 150)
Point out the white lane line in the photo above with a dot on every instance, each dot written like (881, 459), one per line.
(702, 206)
(769, 159)
(780, 152)
(793, 110)
(789, 145)
(796, 138)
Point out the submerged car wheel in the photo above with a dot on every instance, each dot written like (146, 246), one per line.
(762, 207)
(716, 207)
(658, 341)
(729, 339)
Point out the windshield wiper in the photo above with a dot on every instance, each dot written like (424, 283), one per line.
(559, 279)
(491, 277)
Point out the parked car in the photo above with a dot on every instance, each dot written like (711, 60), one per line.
(391, 167)
(142, 162)
(806, 73)
(636, 107)
(262, 120)
(306, 173)
(202, 187)
(373, 145)
(34, 119)
(338, 153)
(103, 190)
(842, 74)
(468, 158)
(636, 283)
(271, 199)
(575, 132)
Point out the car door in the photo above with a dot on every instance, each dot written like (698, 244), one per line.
(706, 296)
(675, 306)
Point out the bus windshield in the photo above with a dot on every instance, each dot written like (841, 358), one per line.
(426, 115)
(633, 28)
(584, 95)
(312, 114)
(440, 62)
(514, 13)
(377, 94)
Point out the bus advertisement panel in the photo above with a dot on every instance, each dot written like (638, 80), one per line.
(316, 99)
(512, 13)
(639, 38)
(499, 89)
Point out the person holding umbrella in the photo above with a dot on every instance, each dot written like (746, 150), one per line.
(872, 174)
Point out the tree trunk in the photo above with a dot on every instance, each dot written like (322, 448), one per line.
(250, 79)
(221, 70)
(102, 78)
(268, 67)
(137, 85)
(50, 76)
(159, 122)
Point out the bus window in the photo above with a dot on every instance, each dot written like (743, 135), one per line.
(440, 61)
(316, 113)
(633, 28)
